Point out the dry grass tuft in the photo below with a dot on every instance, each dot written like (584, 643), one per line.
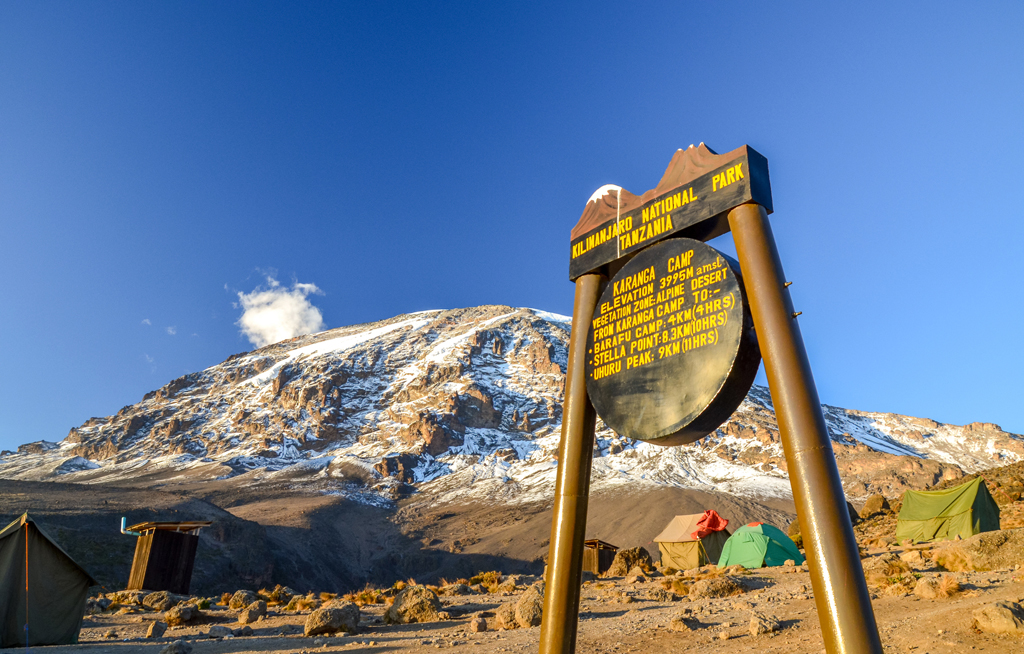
(224, 599)
(954, 559)
(890, 574)
(274, 597)
(677, 586)
(489, 580)
(949, 586)
(398, 585)
(299, 603)
(326, 597)
(366, 596)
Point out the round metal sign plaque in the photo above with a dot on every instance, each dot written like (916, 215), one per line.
(672, 350)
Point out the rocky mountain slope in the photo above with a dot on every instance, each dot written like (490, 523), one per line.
(448, 405)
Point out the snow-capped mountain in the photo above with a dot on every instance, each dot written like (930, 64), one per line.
(449, 403)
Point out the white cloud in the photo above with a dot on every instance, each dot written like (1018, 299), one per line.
(275, 313)
(148, 358)
(145, 321)
(172, 330)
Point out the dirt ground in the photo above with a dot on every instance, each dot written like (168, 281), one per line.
(616, 617)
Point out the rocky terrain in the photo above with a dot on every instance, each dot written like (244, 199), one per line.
(918, 605)
(436, 434)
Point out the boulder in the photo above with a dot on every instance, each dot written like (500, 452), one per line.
(763, 624)
(332, 620)
(242, 631)
(684, 621)
(876, 504)
(219, 631)
(506, 616)
(1000, 618)
(162, 600)
(991, 550)
(915, 559)
(626, 560)
(661, 595)
(181, 614)
(177, 647)
(242, 599)
(714, 587)
(253, 612)
(455, 589)
(927, 588)
(530, 608)
(156, 629)
(413, 604)
(128, 596)
(478, 625)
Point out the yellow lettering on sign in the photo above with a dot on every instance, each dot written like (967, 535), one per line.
(726, 177)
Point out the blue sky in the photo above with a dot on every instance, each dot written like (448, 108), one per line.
(157, 159)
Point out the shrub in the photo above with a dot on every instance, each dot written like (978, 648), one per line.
(949, 586)
(326, 597)
(366, 596)
(224, 599)
(489, 580)
(677, 586)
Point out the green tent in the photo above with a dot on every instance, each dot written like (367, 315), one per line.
(42, 590)
(962, 511)
(756, 545)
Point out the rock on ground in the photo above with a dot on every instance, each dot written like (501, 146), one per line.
(876, 504)
(162, 600)
(177, 647)
(181, 614)
(219, 631)
(127, 596)
(332, 620)
(156, 629)
(253, 612)
(414, 604)
(242, 599)
(455, 589)
(763, 624)
(530, 608)
(1000, 618)
(927, 588)
(626, 560)
(478, 625)
(684, 621)
(915, 559)
(506, 616)
(991, 550)
(714, 587)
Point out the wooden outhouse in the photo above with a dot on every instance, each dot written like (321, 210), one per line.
(164, 555)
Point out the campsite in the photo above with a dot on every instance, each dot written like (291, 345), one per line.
(643, 603)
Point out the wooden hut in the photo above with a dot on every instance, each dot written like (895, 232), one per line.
(598, 556)
(164, 555)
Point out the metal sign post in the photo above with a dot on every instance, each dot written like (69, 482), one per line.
(701, 195)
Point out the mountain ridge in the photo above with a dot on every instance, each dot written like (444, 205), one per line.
(442, 403)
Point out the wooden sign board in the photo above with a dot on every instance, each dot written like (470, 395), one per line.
(671, 351)
(692, 199)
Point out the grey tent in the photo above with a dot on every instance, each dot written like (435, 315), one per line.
(39, 577)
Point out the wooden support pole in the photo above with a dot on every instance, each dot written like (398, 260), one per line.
(572, 487)
(837, 577)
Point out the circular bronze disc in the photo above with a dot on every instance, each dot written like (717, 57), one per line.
(671, 351)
